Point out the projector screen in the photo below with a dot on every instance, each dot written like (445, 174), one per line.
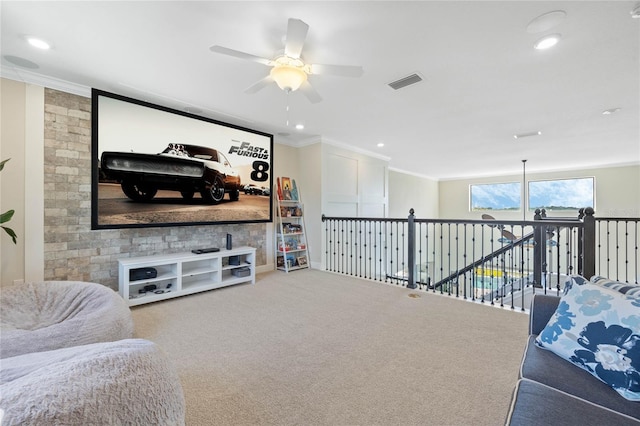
(156, 166)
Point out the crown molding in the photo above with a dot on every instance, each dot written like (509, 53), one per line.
(37, 79)
(354, 149)
(420, 175)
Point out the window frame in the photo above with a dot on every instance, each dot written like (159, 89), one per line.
(561, 209)
(518, 193)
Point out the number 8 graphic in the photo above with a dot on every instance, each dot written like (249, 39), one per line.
(259, 171)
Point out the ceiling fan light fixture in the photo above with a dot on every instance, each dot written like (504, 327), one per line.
(39, 43)
(288, 78)
(547, 42)
(288, 69)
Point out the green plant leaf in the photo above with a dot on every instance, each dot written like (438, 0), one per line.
(6, 216)
(2, 163)
(12, 234)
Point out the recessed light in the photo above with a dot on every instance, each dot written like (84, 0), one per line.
(299, 126)
(39, 43)
(380, 145)
(524, 135)
(610, 111)
(547, 41)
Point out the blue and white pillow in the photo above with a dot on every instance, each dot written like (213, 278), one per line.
(573, 280)
(628, 289)
(598, 329)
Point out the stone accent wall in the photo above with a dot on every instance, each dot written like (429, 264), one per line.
(75, 252)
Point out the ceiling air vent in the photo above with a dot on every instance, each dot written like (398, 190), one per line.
(405, 81)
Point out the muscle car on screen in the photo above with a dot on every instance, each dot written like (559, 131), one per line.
(184, 168)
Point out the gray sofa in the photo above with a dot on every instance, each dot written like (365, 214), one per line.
(552, 391)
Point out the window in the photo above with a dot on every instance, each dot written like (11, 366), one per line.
(495, 196)
(561, 194)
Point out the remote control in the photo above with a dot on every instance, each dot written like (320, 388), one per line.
(205, 250)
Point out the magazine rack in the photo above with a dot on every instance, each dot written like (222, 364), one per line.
(291, 241)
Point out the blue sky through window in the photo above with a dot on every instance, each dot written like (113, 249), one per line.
(561, 194)
(496, 196)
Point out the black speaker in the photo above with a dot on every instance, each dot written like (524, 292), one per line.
(142, 274)
(229, 246)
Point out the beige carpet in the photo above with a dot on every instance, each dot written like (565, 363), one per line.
(315, 348)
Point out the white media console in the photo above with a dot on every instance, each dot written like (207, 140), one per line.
(179, 274)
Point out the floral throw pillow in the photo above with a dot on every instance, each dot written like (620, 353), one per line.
(630, 290)
(598, 329)
(574, 280)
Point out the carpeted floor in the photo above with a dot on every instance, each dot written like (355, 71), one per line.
(315, 348)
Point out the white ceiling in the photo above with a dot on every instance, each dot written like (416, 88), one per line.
(483, 82)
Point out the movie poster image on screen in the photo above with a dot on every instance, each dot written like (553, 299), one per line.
(154, 166)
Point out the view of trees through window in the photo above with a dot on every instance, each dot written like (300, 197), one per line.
(551, 195)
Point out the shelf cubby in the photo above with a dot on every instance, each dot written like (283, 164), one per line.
(180, 274)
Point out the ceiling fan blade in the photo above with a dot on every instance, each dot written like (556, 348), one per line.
(296, 35)
(237, 54)
(259, 85)
(339, 70)
(307, 89)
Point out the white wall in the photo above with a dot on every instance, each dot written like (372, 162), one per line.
(353, 184)
(332, 180)
(12, 178)
(310, 189)
(617, 192)
(285, 163)
(21, 181)
(407, 191)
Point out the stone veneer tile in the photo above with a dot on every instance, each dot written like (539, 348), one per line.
(75, 252)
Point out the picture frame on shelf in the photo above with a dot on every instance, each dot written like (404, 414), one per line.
(286, 188)
(302, 260)
(278, 189)
(294, 190)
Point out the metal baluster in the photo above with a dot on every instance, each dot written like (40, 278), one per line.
(617, 250)
(383, 253)
(473, 257)
(435, 259)
(334, 226)
(608, 244)
(636, 275)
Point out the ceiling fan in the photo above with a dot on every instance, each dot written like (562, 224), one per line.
(289, 71)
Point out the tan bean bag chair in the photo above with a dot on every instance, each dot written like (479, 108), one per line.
(42, 316)
(128, 382)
